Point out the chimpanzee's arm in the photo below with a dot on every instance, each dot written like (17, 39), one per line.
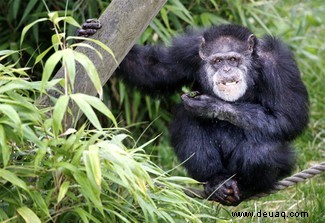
(157, 70)
(251, 117)
(160, 70)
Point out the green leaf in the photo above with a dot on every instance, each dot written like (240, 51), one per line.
(11, 113)
(5, 151)
(67, 166)
(88, 191)
(14, 84)
(41, 56)
(40, 154)
(58, 113)
(180, 11)
(63, 190)
(39, 201)
(15, 9)
(29, 134)
(182, 179)
(87, 110)
(3, 214)
(99, 43)
(90, 70)
(53, 16)
(82, 44)
(164, 16)
(28, 215)
(70, 65)
(106, 48)
(82, 214)
(27, 10)
(67, 19)
(49, 67)
(100, 106)
(23, 33)
(92, 163)
(56, 40)
(7, 53)
(12, 178)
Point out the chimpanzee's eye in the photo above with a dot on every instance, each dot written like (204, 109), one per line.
(233, 59)
(217, 60)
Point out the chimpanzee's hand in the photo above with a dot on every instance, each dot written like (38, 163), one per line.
(202, 105)
(89, 28)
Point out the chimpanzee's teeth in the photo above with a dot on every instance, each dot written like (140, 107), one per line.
(231, 83)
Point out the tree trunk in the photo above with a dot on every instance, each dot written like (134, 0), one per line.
(122, 23)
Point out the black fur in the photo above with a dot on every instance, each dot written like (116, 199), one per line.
(248, 138)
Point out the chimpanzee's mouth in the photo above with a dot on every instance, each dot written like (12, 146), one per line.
(228, 83)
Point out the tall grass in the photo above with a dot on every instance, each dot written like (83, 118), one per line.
(48, 181)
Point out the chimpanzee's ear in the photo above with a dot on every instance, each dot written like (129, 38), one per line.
(202, 45)
(251, 42)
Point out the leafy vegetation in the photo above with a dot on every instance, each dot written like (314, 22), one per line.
(53, 174)
(49, 173)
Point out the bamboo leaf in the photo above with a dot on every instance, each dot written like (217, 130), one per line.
(67, 19)
(92, 163)
(63, 190)
(70, 65)
(27, 10)
(164, 16)
(6, 53)
(56, 40)
(53, 16)
(67, 166)
(100, 106)
(49, 67)
(106, 48)
(39, 158)
(90, 70)
(12, 178)
(14, 84)
(88, 191)
(15, 9)
(40, 202)
(28, 215)
(99, 43)
(26, 85)
(82, 214)
(82, 44)
(41, 56)
(58, 113)
(29, 134)
(87, 110)
(5, 151)
(26, 28)
(11, 113)
(3, 214)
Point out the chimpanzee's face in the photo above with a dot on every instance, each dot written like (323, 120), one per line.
(226, 67)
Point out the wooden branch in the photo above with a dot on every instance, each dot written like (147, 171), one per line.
(122, 23)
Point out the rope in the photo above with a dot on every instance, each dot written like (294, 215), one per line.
(281, 185)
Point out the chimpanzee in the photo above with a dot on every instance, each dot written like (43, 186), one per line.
(233, 132)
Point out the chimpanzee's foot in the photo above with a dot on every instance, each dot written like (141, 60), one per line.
(227, 194)
(89, 28)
